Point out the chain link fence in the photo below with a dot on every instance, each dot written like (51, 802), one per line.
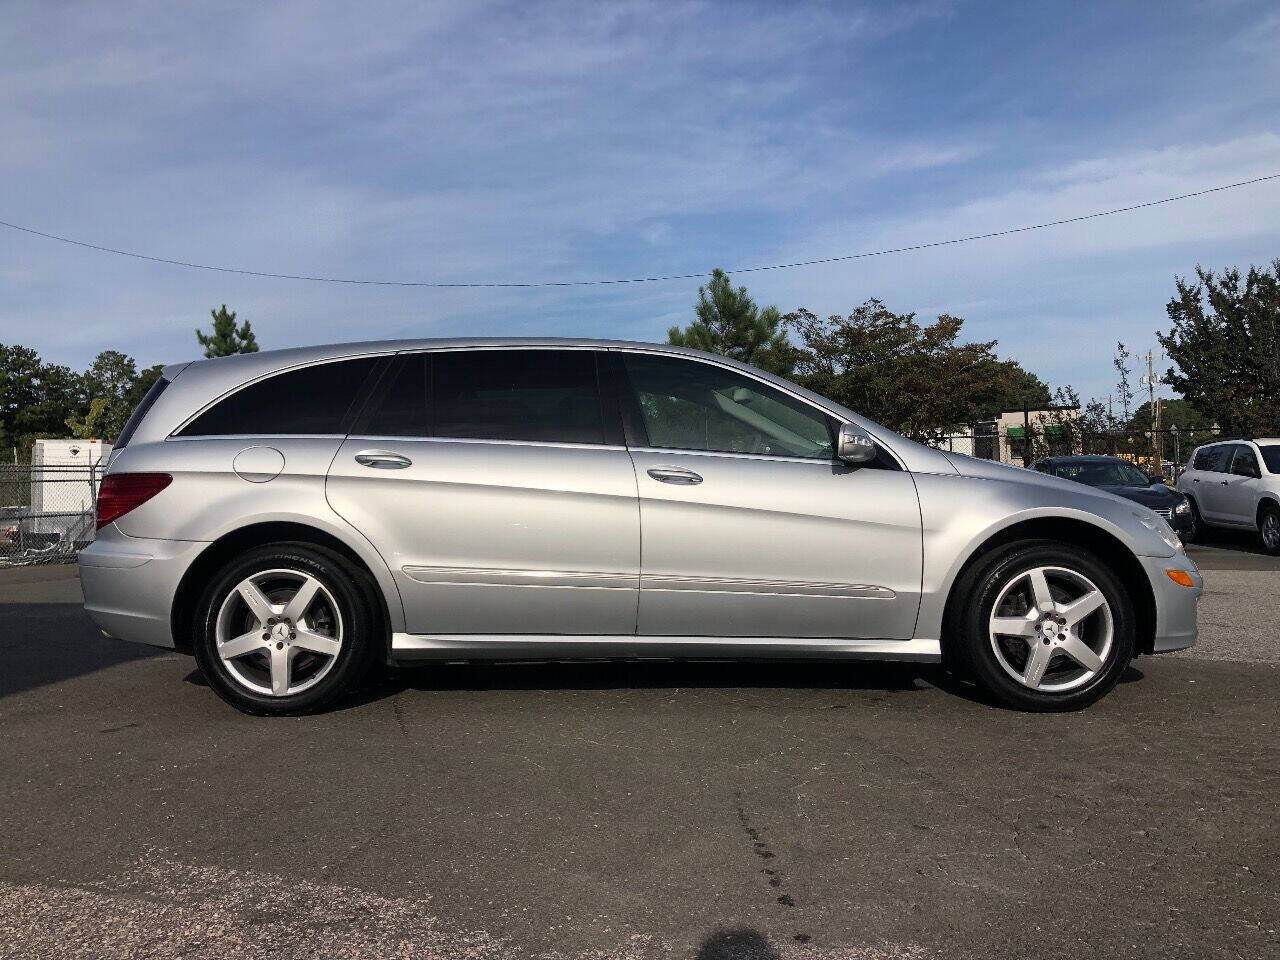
(46, 512)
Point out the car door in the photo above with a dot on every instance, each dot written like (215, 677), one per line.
(496, 485)
(1209, 478)
(1238, 494)
(750, 526)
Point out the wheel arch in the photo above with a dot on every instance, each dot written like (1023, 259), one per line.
(1109, 550)
(217, 553)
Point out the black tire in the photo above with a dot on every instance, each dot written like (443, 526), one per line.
(351, 594)
(969, 641)
(1269, 530)
(1195, 532)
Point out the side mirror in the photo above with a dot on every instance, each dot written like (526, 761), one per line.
(1156, 478)
(854, 446)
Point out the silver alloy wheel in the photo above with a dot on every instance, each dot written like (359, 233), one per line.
(1271, 531)
(279, 632)
(1052, 629)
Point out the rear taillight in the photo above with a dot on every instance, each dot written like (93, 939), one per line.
(122, 492)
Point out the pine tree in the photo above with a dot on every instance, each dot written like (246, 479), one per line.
(730, 323)
(226, 339)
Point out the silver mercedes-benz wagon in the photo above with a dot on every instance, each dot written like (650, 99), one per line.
(291, 517)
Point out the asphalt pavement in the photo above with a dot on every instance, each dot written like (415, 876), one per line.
(638, 810)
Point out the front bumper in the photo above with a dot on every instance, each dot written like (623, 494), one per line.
(129, 584)
(1175, 604)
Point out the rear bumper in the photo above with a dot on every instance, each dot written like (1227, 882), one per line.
(1175, 604)
(129, 584)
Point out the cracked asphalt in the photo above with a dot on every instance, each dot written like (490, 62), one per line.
(639, 810)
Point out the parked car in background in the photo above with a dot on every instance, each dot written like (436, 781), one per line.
(1235, 484)
(1123, 479)
(289, 517)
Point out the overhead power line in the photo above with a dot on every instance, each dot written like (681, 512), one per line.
(654, 279)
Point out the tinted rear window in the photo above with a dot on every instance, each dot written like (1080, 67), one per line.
(539, 395)
(1213, 459)
(311, 400)
(401, 410)
(140, 413)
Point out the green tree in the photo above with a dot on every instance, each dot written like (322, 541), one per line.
(1124, 388)
(1225, 344)
(226, 338)
(918, 380)
(730, 323)
(1173, 413)
(114, 388)
(36, 398)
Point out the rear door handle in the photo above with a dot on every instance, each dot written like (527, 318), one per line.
(382, 460)
(1222, 482)
(677, 475)
(1195, 479)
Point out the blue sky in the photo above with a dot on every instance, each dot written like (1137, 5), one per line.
(473, 141)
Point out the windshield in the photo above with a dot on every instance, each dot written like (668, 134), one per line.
(1271, 456)
(1101, 473)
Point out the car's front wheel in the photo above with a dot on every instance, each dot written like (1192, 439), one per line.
(284, 629)
(1043, 625)
(1269, 530)
(1195, 524)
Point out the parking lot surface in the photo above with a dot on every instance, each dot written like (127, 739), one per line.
(637, 810)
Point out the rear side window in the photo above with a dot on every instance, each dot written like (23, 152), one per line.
(1213, 459)
(538, 395)
(311, 400)
(140, 412)
(401, 407)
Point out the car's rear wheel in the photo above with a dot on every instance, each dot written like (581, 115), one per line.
(1043, 626)
(284, 629)
(1269, 530)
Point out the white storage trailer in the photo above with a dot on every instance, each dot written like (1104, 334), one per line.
(65, 475)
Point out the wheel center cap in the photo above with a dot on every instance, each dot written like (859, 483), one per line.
(280, 631)
(1048, 627)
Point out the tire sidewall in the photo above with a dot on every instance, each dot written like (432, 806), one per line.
(337, 577)
(986, 586)
(1268, 512)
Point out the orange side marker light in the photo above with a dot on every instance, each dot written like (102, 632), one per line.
(1180, 577)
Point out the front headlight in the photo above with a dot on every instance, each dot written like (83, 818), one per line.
(1184, 506)
(1160, 527)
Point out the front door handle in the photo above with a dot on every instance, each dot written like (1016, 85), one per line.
(1222, 482)
(382, 460)
(677, 475)
(1195, 479)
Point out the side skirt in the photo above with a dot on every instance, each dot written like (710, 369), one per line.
(466, 646)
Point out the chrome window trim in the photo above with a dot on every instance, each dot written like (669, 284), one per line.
(174, 438)
(677, 451)
(378, 438)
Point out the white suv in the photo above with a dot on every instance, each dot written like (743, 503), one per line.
(1235, 483)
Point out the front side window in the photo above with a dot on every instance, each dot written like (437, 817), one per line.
(311, 400)
(688, 405)
(1271, 456)
(1244, 463)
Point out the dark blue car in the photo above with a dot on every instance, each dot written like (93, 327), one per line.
(1124, 479)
